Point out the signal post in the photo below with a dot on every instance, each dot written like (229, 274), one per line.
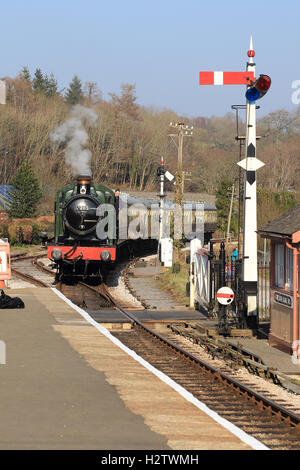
(256, 89)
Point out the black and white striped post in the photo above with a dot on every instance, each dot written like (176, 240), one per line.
(250, 164)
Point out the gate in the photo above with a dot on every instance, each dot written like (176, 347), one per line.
(202, 277)
(210, 274)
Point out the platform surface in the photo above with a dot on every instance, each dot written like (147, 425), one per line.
(50, 398)
(67, 386)
(272, 357)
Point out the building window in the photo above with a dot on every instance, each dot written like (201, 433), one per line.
(279, 265)
(289, 269)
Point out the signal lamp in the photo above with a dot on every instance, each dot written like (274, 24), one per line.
(259, 89)
(160, 170)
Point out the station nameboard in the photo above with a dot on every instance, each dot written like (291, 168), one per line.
(283, 299)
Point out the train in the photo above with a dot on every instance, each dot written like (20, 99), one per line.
(89, 236)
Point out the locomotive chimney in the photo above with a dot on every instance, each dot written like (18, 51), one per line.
(83, 184)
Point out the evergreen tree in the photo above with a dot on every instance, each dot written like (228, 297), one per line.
(38, 82)
(74, 93)
(25, 75)
(26, 194)
(50, 85)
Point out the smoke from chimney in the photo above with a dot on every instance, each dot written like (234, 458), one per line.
(76, 137)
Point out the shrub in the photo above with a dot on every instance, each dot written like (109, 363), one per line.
(27, 233)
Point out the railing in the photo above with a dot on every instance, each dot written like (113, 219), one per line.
(211, 274)
(232, 273)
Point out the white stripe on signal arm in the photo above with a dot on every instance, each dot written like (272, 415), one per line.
(218, 78)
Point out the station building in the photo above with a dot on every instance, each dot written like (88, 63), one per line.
(284, 235)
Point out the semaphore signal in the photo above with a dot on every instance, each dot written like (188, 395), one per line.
(256, 89)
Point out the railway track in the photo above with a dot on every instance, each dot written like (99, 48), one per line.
(275, 425)
(265, 418)
(26, 270)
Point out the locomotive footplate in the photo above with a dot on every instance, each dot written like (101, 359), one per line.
(92, 253)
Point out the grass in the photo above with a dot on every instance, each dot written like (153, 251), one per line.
(175, 282)
(29, 249)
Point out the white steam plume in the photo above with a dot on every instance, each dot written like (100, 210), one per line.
(73, 132)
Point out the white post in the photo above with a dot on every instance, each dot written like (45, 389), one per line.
(161, 208)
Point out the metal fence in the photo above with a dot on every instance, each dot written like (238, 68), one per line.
(213, 271)
(263, 285)
(232, 274)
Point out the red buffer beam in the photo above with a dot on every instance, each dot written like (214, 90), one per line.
(226, 78)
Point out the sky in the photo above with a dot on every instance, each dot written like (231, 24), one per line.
(159, 45)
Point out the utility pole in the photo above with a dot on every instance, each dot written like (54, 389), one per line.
(183, 131)
(186, 175)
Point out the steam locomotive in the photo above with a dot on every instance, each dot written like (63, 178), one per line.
(77, 249)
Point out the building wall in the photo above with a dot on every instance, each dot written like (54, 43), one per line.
(281, 297)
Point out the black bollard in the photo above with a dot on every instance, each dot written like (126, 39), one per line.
(223, 327)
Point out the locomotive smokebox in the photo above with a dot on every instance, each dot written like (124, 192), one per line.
(83, 184)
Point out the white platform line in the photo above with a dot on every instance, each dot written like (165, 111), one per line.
(244, 437)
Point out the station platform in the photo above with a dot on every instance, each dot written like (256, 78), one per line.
(274, 359)
(67, 386)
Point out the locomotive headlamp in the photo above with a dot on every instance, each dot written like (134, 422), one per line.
(105, 255)
(56, 254)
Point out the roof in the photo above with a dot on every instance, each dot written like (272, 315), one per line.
(189, 205)
(286, 224)
(170, 195)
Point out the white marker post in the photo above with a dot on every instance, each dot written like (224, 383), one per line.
(162, 195)
(165, 244)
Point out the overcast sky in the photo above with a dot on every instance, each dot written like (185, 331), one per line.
(160, 45)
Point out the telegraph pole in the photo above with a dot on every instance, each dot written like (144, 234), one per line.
(183, 131)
